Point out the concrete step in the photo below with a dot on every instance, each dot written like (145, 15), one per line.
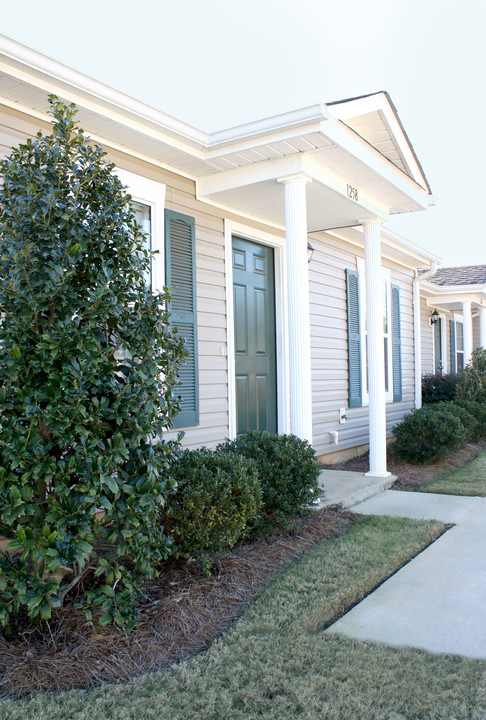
(345, 488)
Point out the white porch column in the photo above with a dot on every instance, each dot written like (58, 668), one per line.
(482, 327)
(467, 329)
(376, 356)
(298, 306)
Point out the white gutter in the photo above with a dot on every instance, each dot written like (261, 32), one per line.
(37, 62)
(392, 239)
(308, 115)
(32, 60)
(454, 289)
(417, 344)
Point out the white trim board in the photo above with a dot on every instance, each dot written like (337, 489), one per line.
(281, 321)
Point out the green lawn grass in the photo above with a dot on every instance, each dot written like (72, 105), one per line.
(468, 480)
(276, 664)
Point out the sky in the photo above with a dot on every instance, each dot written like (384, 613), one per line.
(219, 63)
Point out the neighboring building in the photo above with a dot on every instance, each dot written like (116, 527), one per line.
(324, 349)
(453, 309)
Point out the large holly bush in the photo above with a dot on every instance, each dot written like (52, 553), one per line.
(87, 371)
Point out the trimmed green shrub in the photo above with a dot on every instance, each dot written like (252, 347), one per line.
(88, 370)
(428, 433)
(472, 382)
(439, 388)
(216, 495)
(468, 420)
(478, 411)
(288, 470)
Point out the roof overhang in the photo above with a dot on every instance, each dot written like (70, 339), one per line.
(375, 118)
(451, 297)
(236, 169)
(394, 247)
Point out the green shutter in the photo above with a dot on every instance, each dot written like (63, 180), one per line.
(396, 343)
(354, 340)
(180, 263)
(452, 326)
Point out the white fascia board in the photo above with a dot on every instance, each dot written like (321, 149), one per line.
(393, 239)
(210, 185)
(390, 241)
(254, 143)
(54, 70)
(448, 294)
(218, 182)
(442, 300)
(454, 289)
(379, 102)
(132, 121)
(73, 86)
(286, 122)
(98, 139)
(339, 134)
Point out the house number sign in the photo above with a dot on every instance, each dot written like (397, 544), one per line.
(352, 192)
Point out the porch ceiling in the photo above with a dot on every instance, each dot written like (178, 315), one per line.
(264, 201)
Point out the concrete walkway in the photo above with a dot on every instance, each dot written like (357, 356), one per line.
(437, 601)
(346, 488)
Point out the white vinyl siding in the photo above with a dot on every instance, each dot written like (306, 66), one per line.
(327, 274)
(327, 311)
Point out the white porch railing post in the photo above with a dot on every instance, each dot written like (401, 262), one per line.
(376, 356)
(298, 306)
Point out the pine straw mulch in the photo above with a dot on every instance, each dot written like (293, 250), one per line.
(183, 613)
(411, 476)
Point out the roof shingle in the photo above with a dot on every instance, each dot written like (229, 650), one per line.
(466, 275)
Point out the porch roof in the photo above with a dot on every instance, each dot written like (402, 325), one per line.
(356, 151)
(448, 288)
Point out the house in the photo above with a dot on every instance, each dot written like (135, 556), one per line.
(295, 300)
(453, 310)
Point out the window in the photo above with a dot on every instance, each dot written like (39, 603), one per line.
(387, 340)
(358, 338)
(148, 200)
(171, 236)
(457, 344)
(143, 217)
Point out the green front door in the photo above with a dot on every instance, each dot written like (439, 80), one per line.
(254, 316)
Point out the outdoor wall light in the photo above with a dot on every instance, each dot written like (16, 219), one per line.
(434, 317)
(310, 252)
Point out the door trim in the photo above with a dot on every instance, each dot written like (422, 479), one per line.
(281, 321)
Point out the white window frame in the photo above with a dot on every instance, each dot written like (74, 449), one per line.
(151, 193)
(385, 272)
(459, 320)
